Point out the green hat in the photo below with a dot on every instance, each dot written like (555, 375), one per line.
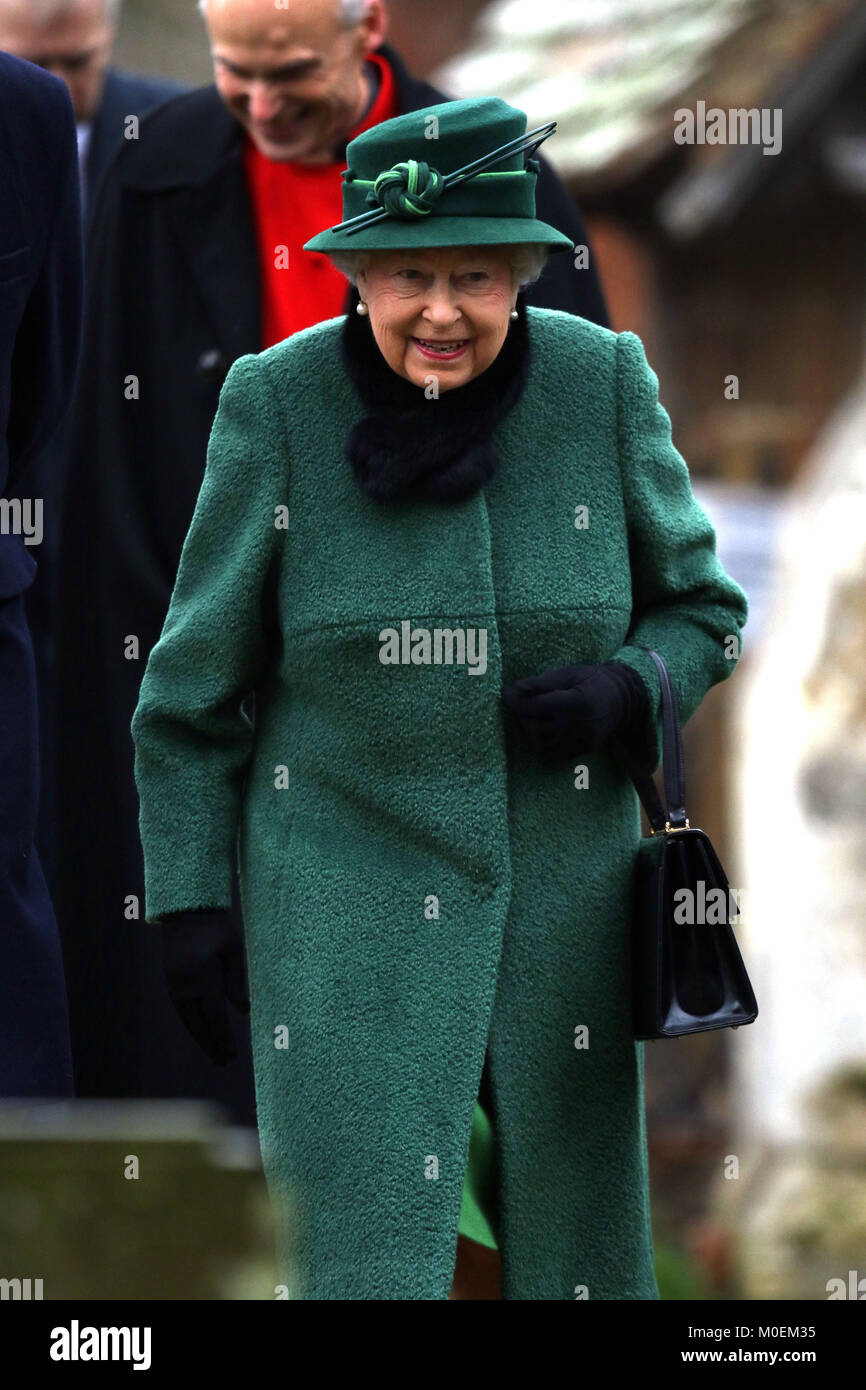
(455, 174)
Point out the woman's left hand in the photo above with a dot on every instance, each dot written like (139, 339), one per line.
(572, 710)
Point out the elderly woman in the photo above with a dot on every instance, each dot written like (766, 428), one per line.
(430, 540)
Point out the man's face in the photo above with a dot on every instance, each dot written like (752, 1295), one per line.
(74, 45)
(293, 76)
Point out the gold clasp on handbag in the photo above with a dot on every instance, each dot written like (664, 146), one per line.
(672, 829)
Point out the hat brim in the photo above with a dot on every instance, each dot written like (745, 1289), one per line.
(393, 233)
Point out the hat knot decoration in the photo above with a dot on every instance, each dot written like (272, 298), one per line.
(407, 190)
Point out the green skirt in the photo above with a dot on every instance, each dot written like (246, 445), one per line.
(478, 1210)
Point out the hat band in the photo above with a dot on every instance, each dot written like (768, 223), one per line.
(408, 194)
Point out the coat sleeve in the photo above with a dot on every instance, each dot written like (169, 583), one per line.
(684, 604)
(193, 740)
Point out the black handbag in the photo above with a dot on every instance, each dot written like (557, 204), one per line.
(687, 974)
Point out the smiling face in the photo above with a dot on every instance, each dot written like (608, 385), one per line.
(442, 312)
(292, 76)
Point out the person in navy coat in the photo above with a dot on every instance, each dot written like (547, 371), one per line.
(41, 294)
(72, 39)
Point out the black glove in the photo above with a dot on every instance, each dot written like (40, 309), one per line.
(204, 967)
(571, 711)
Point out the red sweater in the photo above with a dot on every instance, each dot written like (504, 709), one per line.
(291, 203)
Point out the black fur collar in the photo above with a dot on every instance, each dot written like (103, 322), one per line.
(411, 446)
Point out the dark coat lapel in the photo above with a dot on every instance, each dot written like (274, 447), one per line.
(207, 206)
(124, 94)
(213, 224)
(105, 138)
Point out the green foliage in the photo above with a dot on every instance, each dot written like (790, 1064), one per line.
(678, 1277)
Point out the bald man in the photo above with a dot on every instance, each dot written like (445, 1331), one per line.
(198, 254)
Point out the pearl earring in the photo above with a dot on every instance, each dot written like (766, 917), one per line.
(514, 314)
(361, 308)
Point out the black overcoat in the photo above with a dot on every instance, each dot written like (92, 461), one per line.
(124, 94)
(174, 256)
(41, 289)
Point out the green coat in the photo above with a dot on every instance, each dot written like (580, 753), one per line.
(414, 885)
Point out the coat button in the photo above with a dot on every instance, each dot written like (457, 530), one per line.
(212, 365)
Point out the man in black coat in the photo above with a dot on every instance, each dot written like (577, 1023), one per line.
(175, 256)
(41, 295)
(73, 40)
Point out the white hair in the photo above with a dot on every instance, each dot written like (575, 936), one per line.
(351, 11)
(527, 260)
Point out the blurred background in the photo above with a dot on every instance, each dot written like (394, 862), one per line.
(741, 266)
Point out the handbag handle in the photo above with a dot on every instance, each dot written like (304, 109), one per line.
(672, 817)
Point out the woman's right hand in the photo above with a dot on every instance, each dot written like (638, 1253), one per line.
(204, 967)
